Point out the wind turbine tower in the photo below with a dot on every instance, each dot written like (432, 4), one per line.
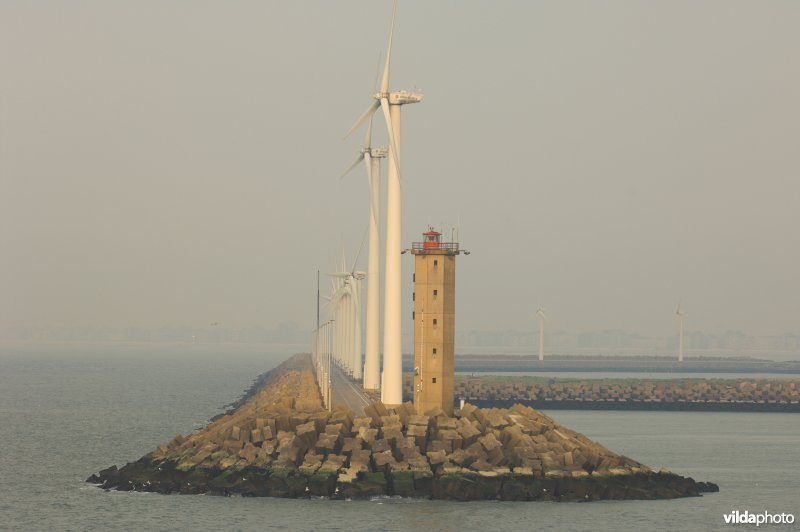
(372, 354)
(391, 102)
(679, 313)
(542, 316)
(372, 359)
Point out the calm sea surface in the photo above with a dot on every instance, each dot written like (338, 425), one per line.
(67, 412)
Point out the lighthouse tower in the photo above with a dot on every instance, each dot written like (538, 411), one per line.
(434, 322)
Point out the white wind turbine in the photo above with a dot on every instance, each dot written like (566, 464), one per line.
(338, 304)
(371, 157)
(340, 290)
(542, 316)
(679, 313)
(390, 103)
(335, 309)
(342, 300)
(348, 298)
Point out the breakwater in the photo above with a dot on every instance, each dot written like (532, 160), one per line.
(765, 395)
(280, 442)
(628, 363)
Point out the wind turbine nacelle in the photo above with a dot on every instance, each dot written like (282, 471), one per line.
(378, 153)
(404, 97)
(401, 97)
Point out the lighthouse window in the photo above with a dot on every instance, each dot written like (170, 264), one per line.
(434, 350)
(414, 277)
(413, 315)
(434, 380)
(435, 294)
(413, 296)
(434, 322)
(435, 263)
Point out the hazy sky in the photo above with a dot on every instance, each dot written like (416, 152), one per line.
(178, 162)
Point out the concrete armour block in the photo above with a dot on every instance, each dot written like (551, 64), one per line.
(436, 457)
(308, 433)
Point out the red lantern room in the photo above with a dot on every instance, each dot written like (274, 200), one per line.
(431, 239)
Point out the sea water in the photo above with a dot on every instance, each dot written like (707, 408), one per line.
(69, 411)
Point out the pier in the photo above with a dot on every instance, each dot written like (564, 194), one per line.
(282, 442)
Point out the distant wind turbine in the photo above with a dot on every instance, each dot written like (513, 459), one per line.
(679, 313)
(348, 297)
(542, 316)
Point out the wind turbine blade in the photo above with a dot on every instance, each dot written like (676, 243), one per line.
(393, 145)
(337, 296)
(336, 282)
(368, 113)
(373, 210)
(386, 67)
(377, 72)
(368, 136)
(368, 163)
(350, 168)
(352, 272)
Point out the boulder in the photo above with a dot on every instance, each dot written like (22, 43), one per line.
(332, 464)
(435, 412)
(436, 457)
(321, 485)
(361, 422)
(418, 419)
(360, 456)
(379, 446)
(419, 433)
(351, 444)
(440, 445)
(380, 408)
(368, 435)
(392, 420)
(368, 485)
(450, 435)
(466, 410)
(393, 434)
(383, 460)
(308, 433)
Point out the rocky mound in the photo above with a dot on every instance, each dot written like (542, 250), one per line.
(282, 443)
